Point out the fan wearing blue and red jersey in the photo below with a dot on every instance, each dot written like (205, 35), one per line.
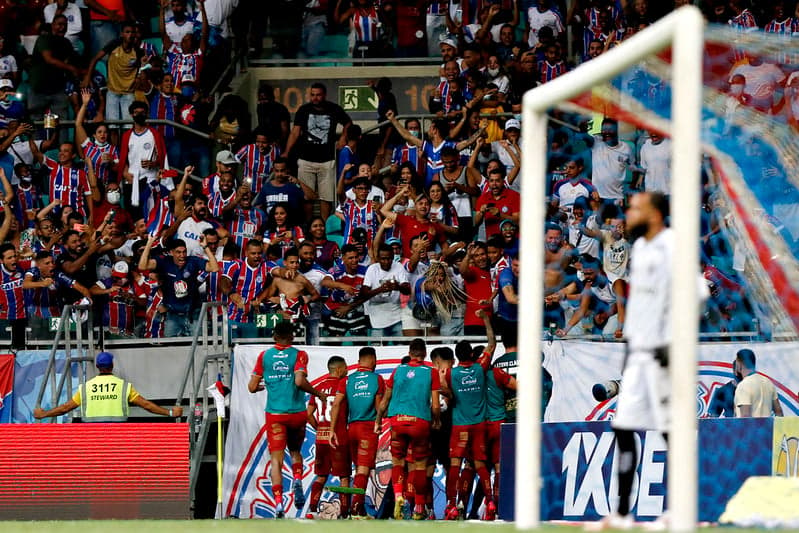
(103, 155)
(257, 160)
(119, 305)
(245, 283)
(359, 213)
(552, 66)
(67, 183)
(357, 400)
(412, 404)
(283, 370)
(43, 303)
(431, 149)
(12, 283)
(244, 221)
(409, 152)
(330, 460)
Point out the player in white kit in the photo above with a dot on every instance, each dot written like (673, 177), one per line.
(643, 398)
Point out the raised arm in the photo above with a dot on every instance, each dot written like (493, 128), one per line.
(145, 263)
(80, 130)
(204, 32)
(405, 134)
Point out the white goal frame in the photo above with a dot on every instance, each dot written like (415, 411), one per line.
(683, 30)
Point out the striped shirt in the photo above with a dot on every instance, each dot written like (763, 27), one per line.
(159, 217)
(244, 225)
(366, 25)
(119, 313)
(433, 155)
(295, 234)
(217, 202)
(43, 302)
(548, 72)
(257, 165)
(26, 199)
(164, 107)
(154, 319)
(94, 152)
(12, 298)
(248, 282)
(407, 152)
(68, 184)
(356, 216)
(182, 64)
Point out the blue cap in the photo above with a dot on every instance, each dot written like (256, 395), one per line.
(104, 360)
(393, 240)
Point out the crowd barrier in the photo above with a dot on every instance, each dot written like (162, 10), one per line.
(578, 467)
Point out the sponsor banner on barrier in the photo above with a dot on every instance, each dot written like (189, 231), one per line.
(247, 487)
(579, 462)
(6, 387)
(576, 366)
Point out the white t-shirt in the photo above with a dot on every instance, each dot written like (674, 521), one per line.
(316, 275)
(74, 22)
(656, 159)
(190, 230)
(761, 82)
(758, 392)
(615, 257)
(609, 168)
(141, 147)
(537, 20)
(8, 65)
(384, 309)
(582, 242)
(176, 31)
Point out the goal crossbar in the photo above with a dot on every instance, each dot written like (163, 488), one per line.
(683, 31)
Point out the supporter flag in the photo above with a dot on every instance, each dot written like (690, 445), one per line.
(6, 387)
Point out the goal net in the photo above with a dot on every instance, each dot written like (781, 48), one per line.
(734, 198)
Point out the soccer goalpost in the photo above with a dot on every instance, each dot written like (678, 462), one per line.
(683, 31)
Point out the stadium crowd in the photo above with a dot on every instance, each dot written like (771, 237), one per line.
(304, 219)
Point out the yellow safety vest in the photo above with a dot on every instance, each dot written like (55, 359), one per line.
(104, 399)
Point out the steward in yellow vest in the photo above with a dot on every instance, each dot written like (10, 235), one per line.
(106, 398)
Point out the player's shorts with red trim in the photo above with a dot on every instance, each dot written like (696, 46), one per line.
(363, 443)
(284, 430)
(335, 461)
(410, 433)
(468, 441)
(492, 432)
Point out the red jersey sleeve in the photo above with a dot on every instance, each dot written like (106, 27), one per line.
(381, 385)
(390, 381)
(302, 362)
(342, 386)
(485, 360)
(501, 377)
(437, 379)
(259, 365)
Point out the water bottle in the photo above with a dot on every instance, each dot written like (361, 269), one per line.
(198, 417)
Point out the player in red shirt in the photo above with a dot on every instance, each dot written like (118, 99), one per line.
(357, 400)
(330, 460)
(412, 403)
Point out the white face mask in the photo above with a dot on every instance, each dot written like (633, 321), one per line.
(113, 197)
(737, 89)
(493, 72)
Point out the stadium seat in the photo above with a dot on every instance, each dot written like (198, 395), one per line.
(334, 228)
(336, 45)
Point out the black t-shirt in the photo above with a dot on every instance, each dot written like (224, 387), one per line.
(86, 275)
(317, 141)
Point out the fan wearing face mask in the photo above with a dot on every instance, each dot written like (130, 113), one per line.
(142, 154)
(110, 201)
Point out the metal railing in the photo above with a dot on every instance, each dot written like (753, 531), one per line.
(377, 61)
(430, 116)
(83, 348)
(208, 357)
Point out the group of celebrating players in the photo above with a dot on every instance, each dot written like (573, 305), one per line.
(437, 413)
